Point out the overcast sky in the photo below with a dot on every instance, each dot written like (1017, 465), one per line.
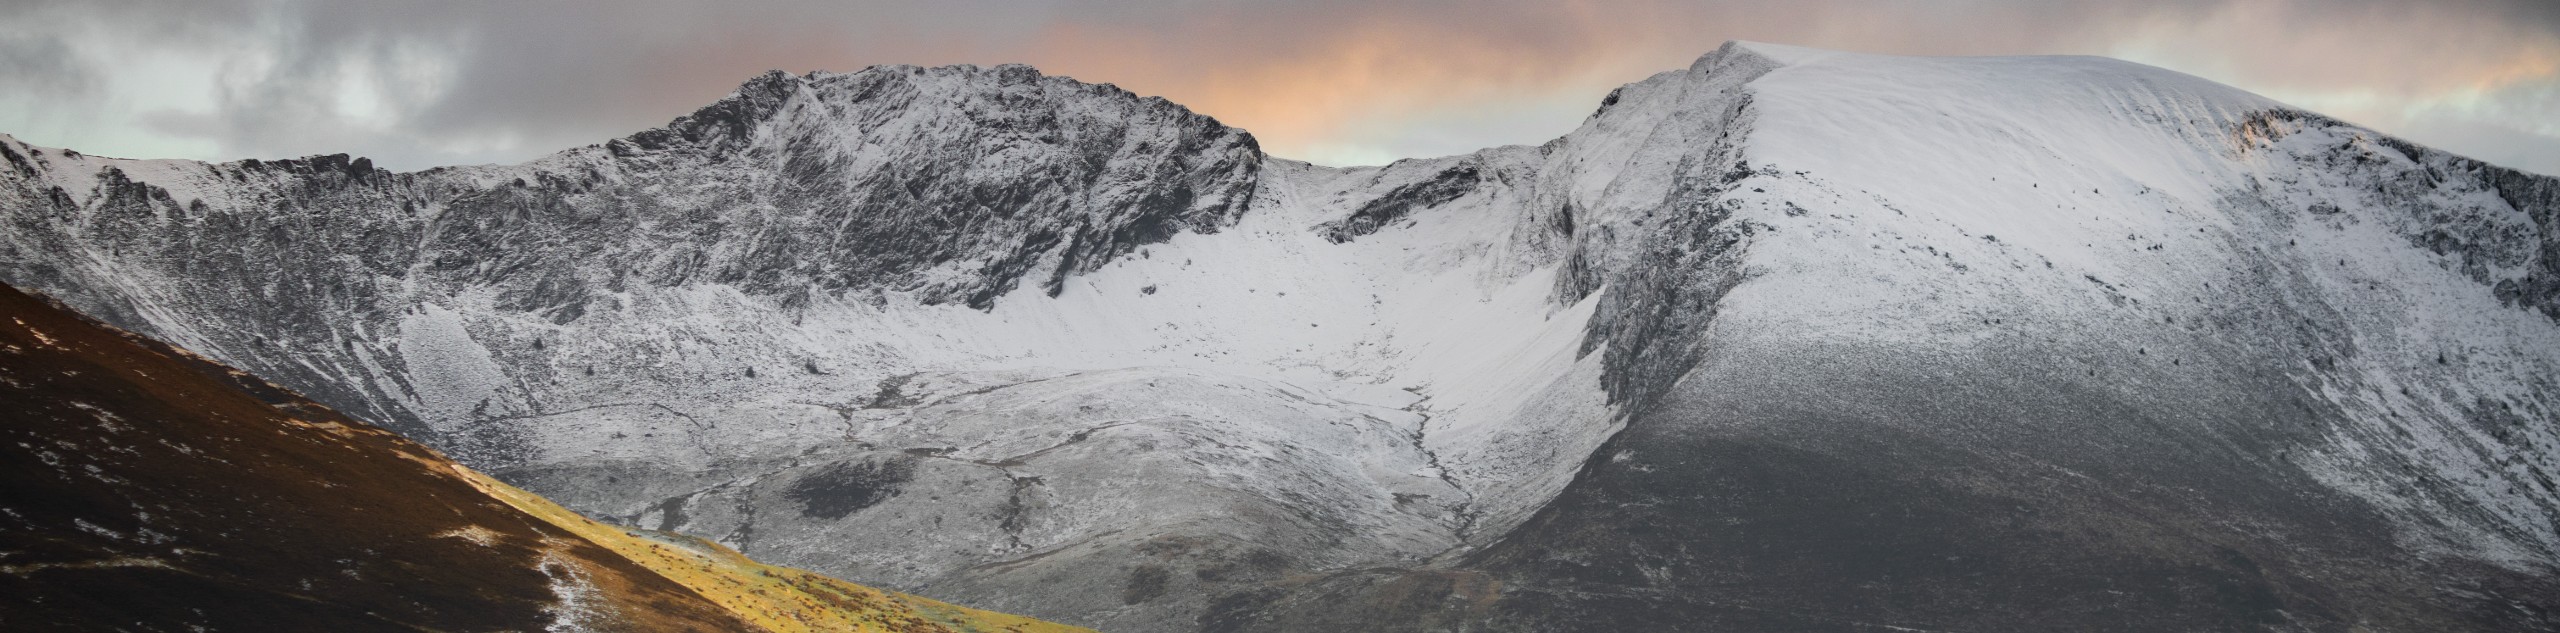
(418, 84)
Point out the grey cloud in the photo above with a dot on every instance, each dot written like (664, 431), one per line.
(502, 81)
(47, 64)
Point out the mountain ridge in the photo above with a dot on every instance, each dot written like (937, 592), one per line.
(2048, 279)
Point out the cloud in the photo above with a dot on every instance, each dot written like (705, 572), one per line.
(2477, 78)
(417, 83)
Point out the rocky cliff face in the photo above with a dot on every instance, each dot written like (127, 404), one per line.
(951, 185)
(1787, 339)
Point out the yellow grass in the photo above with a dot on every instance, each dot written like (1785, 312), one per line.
(780, 599)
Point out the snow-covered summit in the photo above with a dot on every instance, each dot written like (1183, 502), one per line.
(1952, 336)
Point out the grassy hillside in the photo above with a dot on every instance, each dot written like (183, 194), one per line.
(780, 599)
(146, 489)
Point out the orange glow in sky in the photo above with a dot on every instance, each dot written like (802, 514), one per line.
(417, 84)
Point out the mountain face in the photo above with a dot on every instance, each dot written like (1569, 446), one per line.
(937, 186)
(153, 490)
(1786, 340)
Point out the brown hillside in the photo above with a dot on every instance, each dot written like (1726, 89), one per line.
(143, 488)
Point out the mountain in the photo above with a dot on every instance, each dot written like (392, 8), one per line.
(1786, 340)
(151, 489)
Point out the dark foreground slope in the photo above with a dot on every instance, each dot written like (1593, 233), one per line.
(148, 489)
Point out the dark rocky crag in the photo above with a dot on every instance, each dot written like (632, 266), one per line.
(953, 184)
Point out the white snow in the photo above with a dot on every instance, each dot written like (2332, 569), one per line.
(1905, 198)
(452, 375)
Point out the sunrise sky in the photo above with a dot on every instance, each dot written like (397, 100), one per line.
(419, 84)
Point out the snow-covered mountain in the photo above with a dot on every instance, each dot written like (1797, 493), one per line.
(1786, 340)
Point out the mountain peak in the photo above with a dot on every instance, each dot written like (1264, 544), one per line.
(1782, 54)
(2000, 325)
(1078, 172)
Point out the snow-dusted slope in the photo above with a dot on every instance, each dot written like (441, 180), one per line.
(928, 303)
(2028, 344)
(940, 186)
(1939, 343)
